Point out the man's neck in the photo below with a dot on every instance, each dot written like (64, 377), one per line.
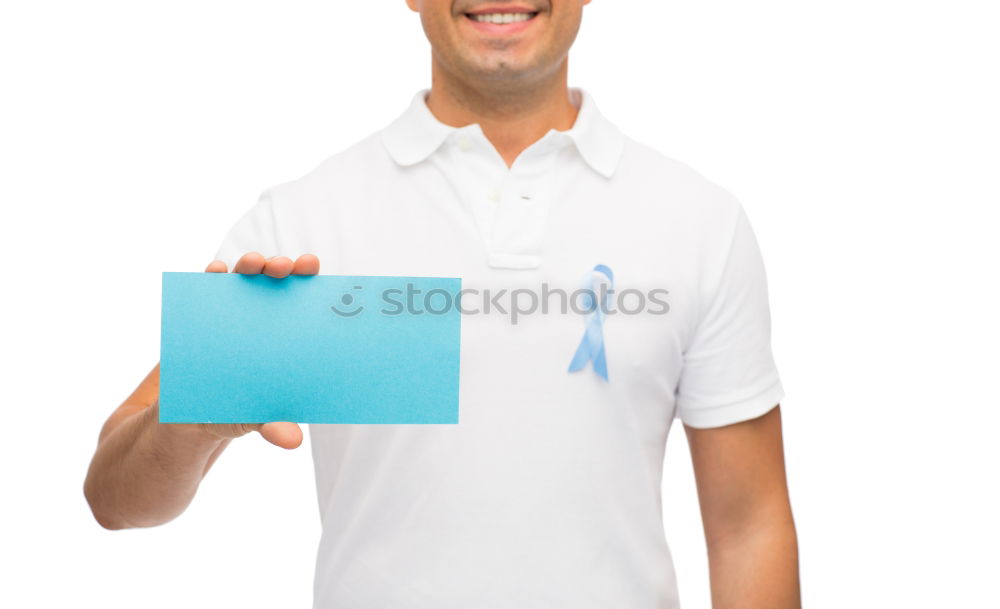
(512, 117)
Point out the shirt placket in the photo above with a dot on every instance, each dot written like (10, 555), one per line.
(521, 206)
(467, 163)
(510, 205)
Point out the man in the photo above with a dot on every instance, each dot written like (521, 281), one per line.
(547, 492)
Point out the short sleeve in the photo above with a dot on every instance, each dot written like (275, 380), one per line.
(254, 232)
(728, 373)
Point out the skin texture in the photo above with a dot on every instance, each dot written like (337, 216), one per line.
(752, 547)
(515, 86)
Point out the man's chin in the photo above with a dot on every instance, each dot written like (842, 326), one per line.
(501, 72)
(491, 63)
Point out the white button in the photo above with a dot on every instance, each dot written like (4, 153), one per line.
(464, 143)
(494, 195)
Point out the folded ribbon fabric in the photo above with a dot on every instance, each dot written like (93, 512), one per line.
(597, 302)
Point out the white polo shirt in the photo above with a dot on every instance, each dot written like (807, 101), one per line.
(547, 491)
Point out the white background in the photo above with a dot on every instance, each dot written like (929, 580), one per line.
(861, 135)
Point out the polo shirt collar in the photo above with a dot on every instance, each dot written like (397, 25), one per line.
(417, 133)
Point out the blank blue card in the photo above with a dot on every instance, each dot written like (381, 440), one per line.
(309, 349)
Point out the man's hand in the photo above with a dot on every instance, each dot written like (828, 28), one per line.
(144, 472)
(285, 435)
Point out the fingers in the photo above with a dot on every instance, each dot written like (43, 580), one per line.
(306, 264)
(227, 431)
(251, 263)
(279, 267)
(285, 435)
(216, 266)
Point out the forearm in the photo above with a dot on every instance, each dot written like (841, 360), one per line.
(756, 569)
(144, 473)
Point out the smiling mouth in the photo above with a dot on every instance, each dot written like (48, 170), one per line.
(501, 18)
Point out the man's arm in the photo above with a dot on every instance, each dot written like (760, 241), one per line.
(145, 473)
(752, 546)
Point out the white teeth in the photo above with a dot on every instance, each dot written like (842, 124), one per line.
(501, 17)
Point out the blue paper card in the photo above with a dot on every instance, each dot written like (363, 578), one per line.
(309, 349)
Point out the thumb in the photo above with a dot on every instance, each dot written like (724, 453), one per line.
(285, 435)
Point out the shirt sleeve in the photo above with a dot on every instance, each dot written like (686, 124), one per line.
(729, 374)
(254, 232)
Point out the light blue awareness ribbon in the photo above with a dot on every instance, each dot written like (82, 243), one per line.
(592, 345)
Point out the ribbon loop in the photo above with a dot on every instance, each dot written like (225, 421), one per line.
(591, 348)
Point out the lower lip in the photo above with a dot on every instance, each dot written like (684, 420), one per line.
(500, 29)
